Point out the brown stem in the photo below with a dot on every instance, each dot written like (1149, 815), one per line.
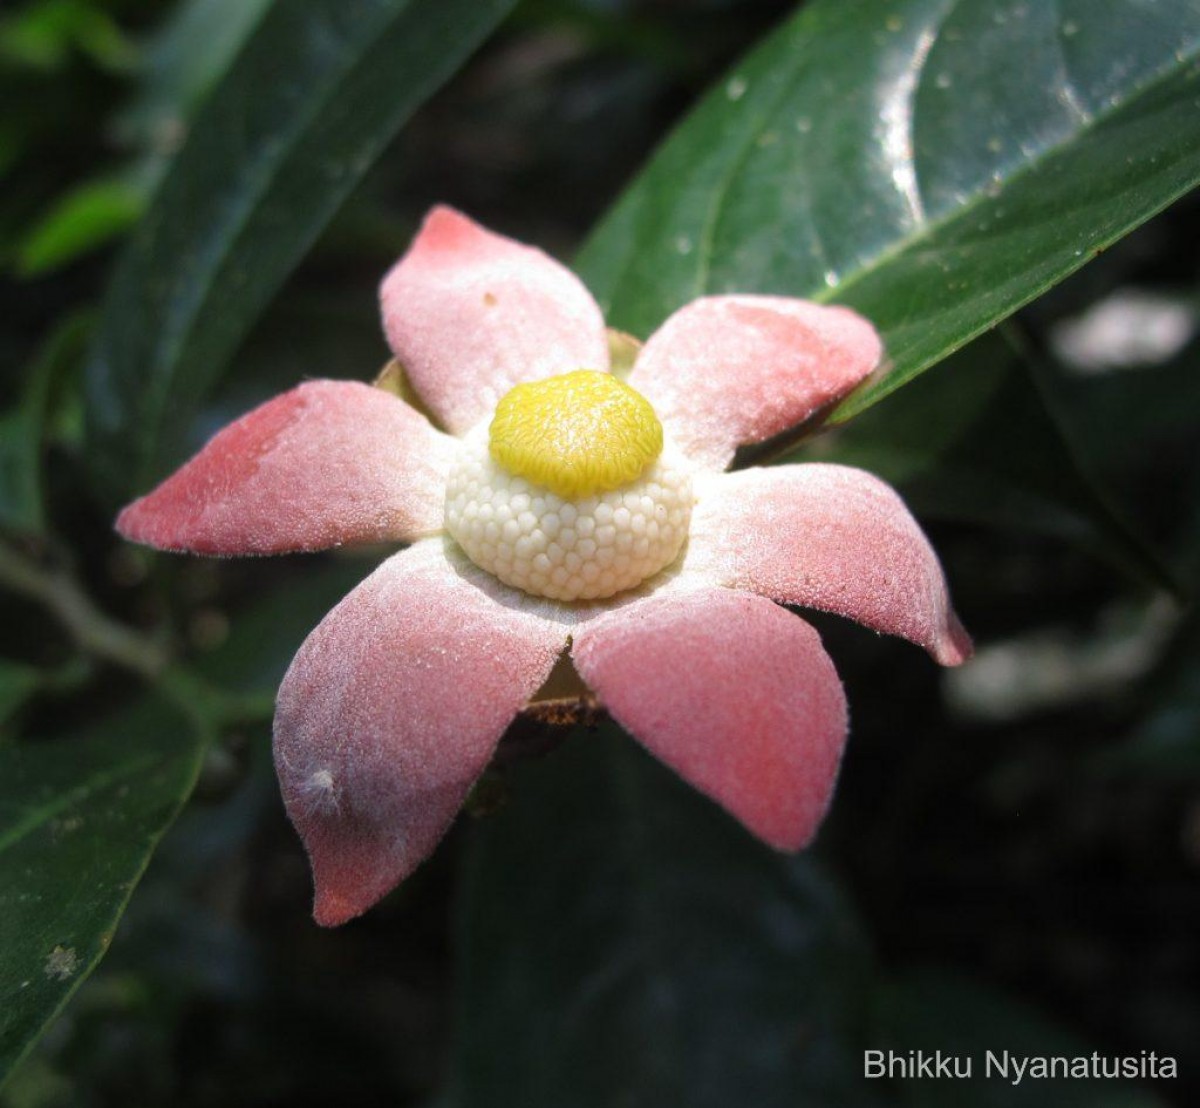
(93, 631)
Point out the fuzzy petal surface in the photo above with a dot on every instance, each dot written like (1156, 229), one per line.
(391, 710)
(325, 464)
(734, 693)
(728, 370)
(829, 537)
(471, 313)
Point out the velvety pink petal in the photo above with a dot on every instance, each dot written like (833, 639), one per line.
(828, 537)
(392, 709)
(727, 370)
(734, 693)
(471, 313)
(325, 464)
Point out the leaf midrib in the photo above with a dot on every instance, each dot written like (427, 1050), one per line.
(928, 228)
(981, 195)
(181, 321)
(77, 794)
(190, 774)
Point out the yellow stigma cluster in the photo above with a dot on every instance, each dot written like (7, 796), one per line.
(571, 495)
(576, 434)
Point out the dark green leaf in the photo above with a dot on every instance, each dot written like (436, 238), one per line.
(17, 684)
(23, 427)
(308, 104)
(20, 498)
(934, 164)
(624, 942)
(79, 819)
(931, 1012)
(974, 440)
(189, 55)
(266, 634)
(181, 65)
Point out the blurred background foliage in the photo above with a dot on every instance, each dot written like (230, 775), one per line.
(1013, 856)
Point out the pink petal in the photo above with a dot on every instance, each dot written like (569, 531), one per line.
(828, 537)
(733, 693)
(471, 313)
(727, 370)
(327, 463)
(392, 709)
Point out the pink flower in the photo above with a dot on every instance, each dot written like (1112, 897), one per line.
(394, 705)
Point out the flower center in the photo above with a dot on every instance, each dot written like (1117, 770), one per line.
(571, 493)
(575, 434)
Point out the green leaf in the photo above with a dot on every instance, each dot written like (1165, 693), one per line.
(622, 941)
(17, 684)
(975, 440)
(42, 34)
(181, 64)
(23, 427)
(307, 105)
(267, 633)
(190, 53)
(934, 164)
(20, 496)
(79, 819)
(930, 1011)
(82, 220)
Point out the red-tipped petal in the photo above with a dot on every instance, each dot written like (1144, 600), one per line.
(391, 710)
(734, 693)
(471, 313)
(727, 370)
(324, 464)
(828, 537)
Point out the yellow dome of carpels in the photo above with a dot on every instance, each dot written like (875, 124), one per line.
(576, 434)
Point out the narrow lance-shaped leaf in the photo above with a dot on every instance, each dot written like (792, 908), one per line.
(295, 124)
(79, 819)
(933, 163)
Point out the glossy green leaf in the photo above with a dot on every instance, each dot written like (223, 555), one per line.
(975, 440)
(79, 819)
(622, 941)
(933, 1012)
(933, 163)
(319, 89)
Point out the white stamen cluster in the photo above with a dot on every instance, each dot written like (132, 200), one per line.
(584, 549)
